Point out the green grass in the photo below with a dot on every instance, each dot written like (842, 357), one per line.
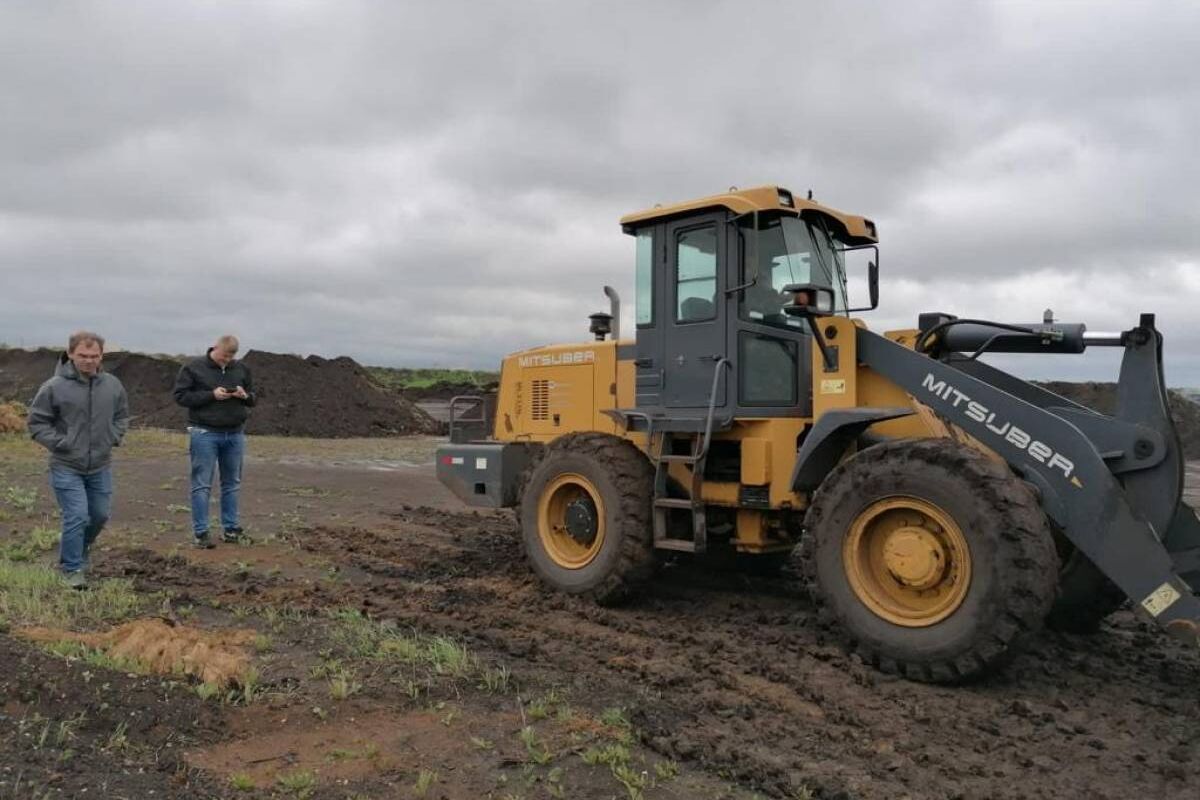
(343, 686)
(611, 755)
(495, 680)
(305, 491)
(534, 746)
(402, 378)
(20, 498)
(552, 703)
(358, 636)
(35, 595)
(426, 779)
(242, 782)
(119, 738)
(40, 540)
(93, 657)
(299, 783)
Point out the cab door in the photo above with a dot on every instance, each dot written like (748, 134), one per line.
(694, 330)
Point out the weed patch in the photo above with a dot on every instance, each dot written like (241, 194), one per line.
(32, 595)
(20, 498)
(40, 540)
(358, 636)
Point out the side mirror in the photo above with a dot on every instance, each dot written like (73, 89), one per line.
(809, 300)
(872, 276)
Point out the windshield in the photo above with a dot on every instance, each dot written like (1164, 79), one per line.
(789, 250)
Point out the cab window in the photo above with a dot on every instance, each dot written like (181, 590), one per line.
(644, 277)
(696, 275)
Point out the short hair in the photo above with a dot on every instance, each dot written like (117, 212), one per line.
(83, 337)
(228, 343)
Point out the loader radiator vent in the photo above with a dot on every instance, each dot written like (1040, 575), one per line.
(541, 400)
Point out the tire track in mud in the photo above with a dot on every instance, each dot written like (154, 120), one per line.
(735, 674)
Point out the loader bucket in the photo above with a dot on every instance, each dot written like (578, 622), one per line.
(1112, 484)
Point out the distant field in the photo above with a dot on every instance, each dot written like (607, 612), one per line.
(405, 378)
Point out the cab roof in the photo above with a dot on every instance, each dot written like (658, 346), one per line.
(858, 230)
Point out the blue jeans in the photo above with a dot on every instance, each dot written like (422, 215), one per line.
(210, 450)
(85, 502)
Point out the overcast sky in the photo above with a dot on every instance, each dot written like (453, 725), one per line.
(439, 183)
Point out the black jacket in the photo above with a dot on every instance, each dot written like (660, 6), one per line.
(194, 391)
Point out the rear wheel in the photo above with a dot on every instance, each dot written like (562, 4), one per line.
(585, 517)
(934, 561)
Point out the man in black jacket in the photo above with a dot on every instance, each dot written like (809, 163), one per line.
(218, 393)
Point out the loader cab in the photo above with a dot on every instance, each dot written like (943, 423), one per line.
(711, 324)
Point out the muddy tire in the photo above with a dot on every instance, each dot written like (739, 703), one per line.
(1085, 595)
(586, 517)
(933, 561)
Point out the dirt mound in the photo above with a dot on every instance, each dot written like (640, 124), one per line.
(216, 657)
(1102, 397)
(23, 371)
(297, 396)
(147, 379)
(333, 398)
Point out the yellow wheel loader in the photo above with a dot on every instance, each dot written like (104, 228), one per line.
(941, 510)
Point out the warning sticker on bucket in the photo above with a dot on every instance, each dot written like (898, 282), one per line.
(1160, 599)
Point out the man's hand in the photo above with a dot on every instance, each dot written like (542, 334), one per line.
(240, 393)
(221, 393)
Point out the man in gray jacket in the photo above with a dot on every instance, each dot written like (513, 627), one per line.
(79, 415)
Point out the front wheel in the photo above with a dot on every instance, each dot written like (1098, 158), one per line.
(1085, 595)
(935, 561)
(586, 517)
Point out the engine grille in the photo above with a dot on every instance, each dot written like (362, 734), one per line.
(540, 405)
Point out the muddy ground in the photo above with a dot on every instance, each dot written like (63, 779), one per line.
(709, 685)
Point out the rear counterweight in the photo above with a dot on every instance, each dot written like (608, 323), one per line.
(487, 474)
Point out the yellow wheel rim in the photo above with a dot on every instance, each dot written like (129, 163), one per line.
(571, 520)
(907, 561)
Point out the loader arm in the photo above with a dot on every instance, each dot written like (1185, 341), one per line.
(1121, 525)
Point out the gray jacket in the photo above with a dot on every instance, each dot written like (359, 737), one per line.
(79, 420)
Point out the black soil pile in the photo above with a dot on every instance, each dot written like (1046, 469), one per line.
(333, 398)
(147, 379)
(312, 396)
(1102, 397)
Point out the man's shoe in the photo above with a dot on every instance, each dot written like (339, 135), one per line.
(75, 580)
(232, 535)
(204, 541)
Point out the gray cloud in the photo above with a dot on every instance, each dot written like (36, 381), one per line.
(417, 184)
